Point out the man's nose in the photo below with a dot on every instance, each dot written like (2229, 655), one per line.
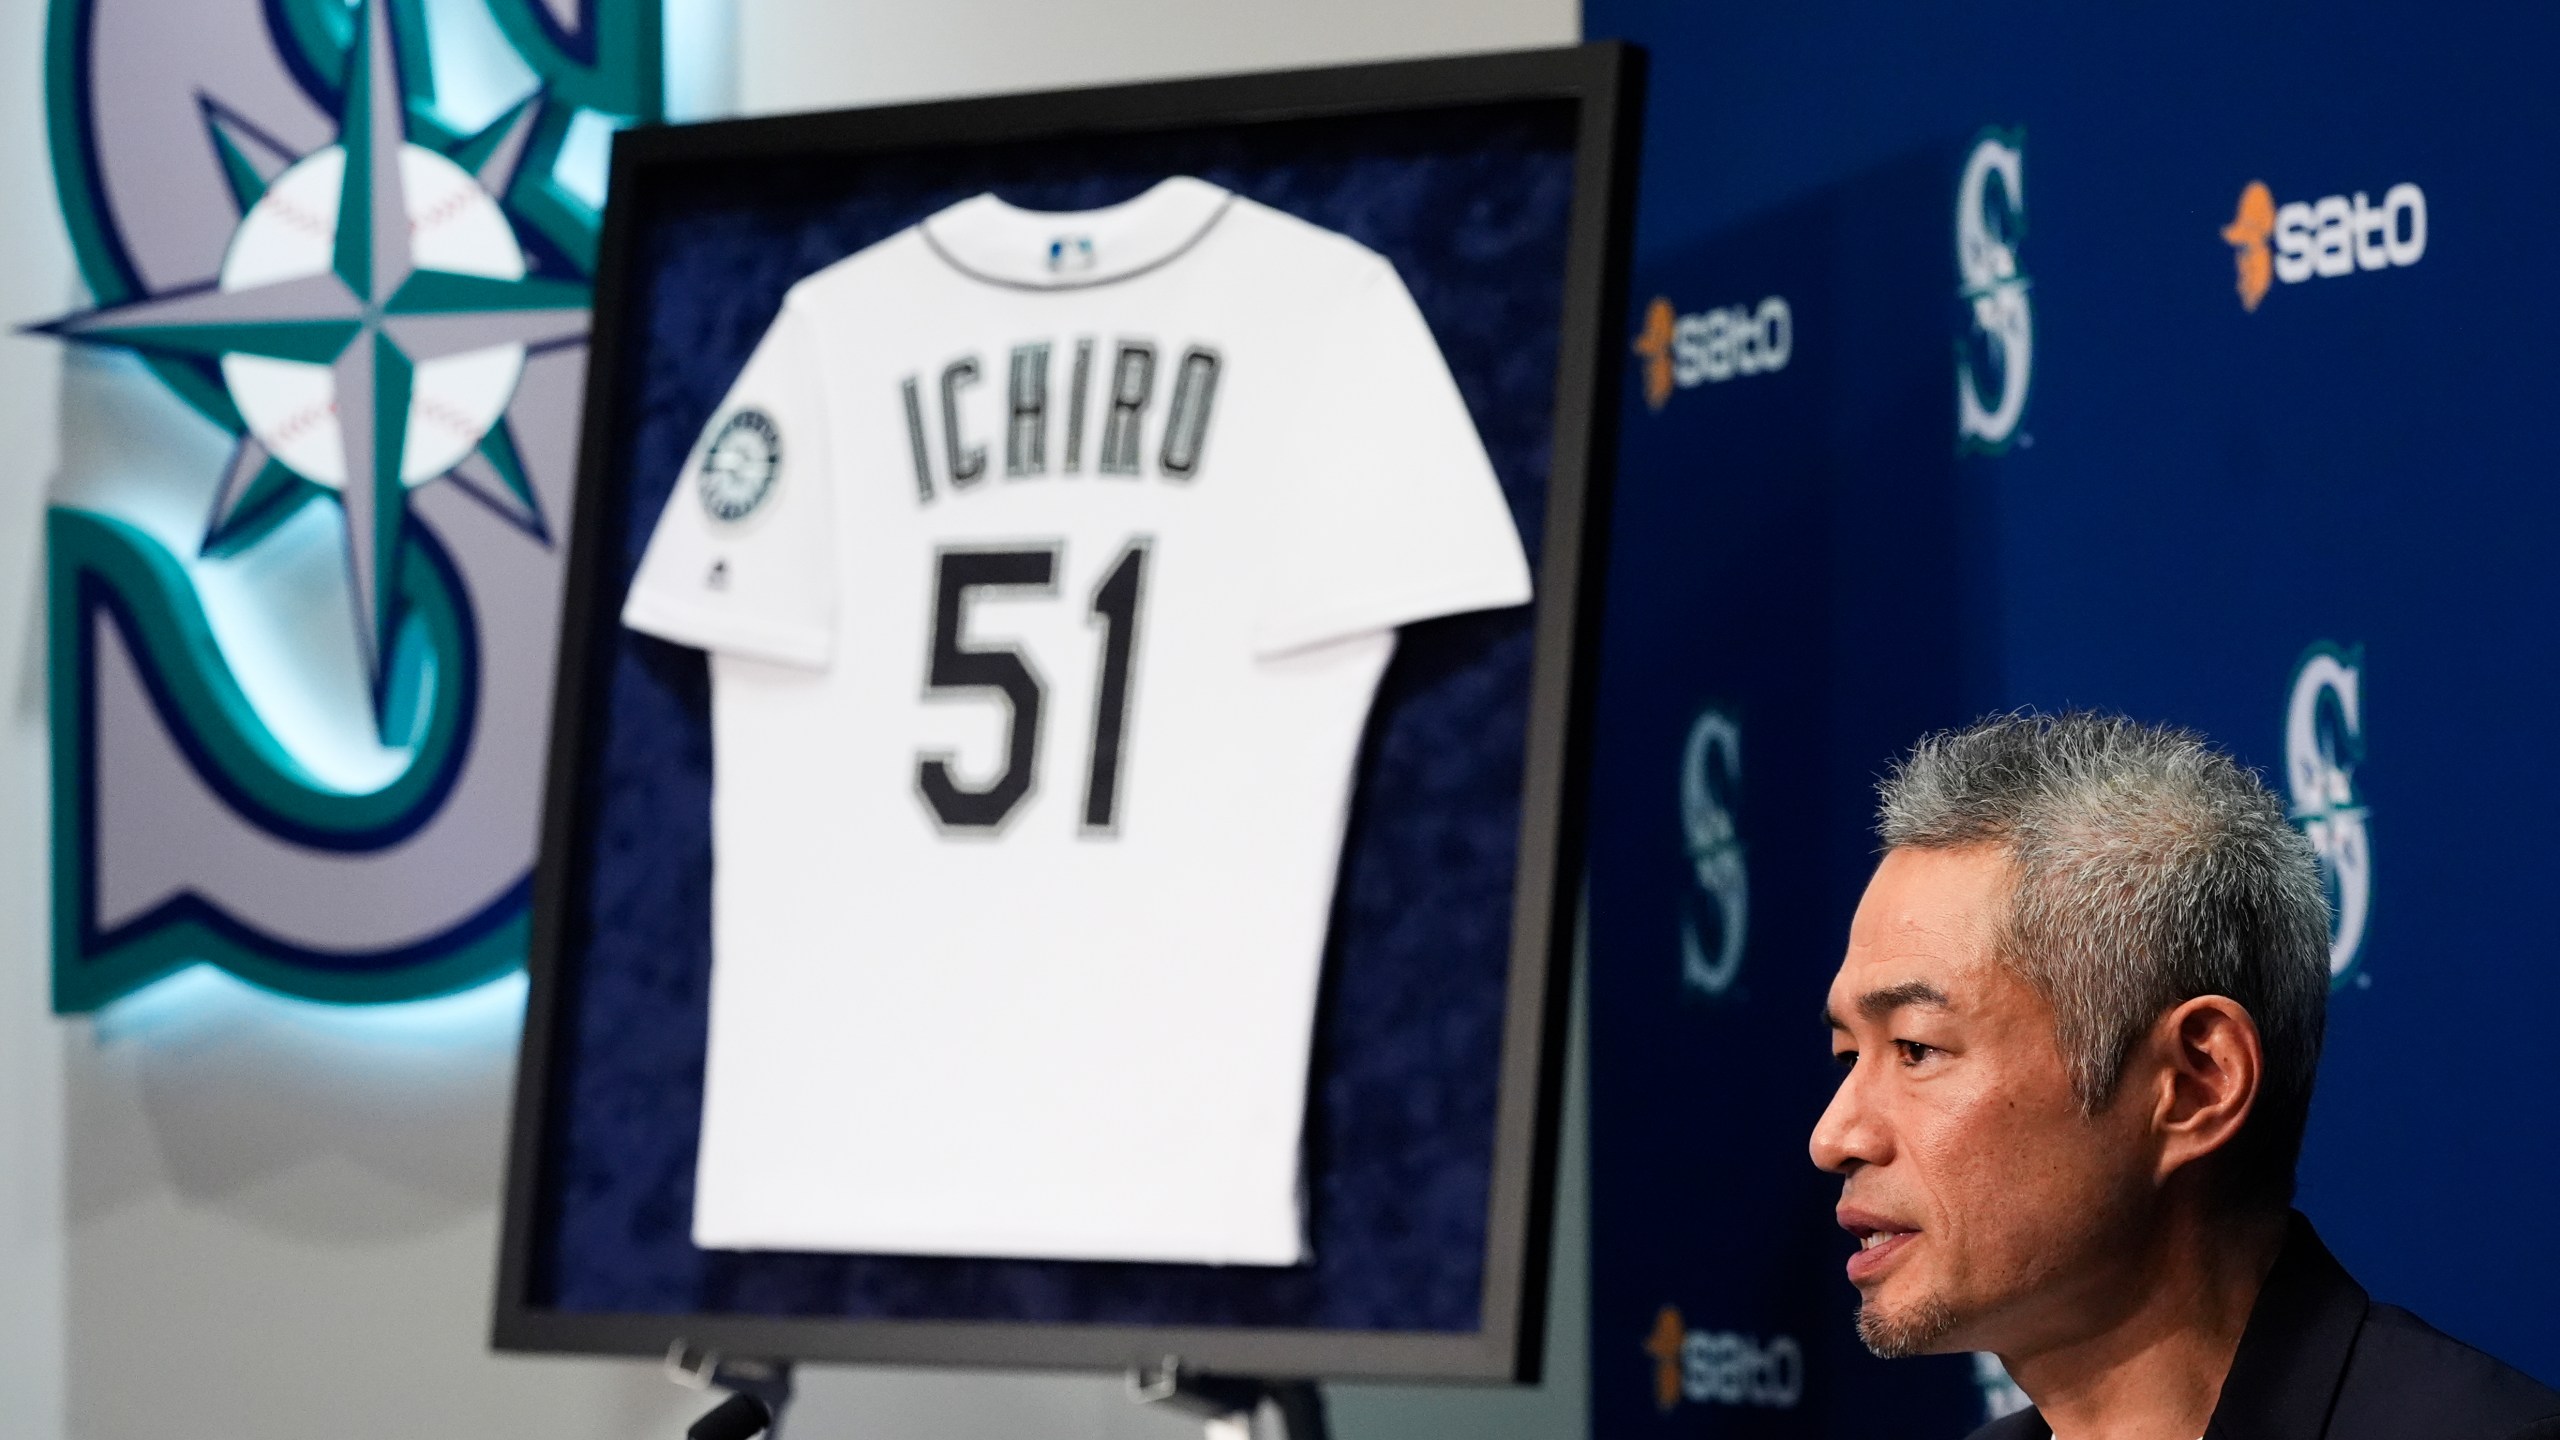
(1848, 1135)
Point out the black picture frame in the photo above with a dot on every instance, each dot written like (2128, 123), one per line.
(1603, 82)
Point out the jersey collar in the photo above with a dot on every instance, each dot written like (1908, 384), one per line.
(987, 239)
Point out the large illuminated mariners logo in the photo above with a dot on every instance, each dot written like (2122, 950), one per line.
(300, 697)
(2323, 743)
(1715, 921)
(1995, 359)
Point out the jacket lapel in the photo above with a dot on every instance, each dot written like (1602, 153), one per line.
(2284, 1379)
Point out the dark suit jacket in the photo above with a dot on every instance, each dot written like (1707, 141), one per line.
(2321, 1361)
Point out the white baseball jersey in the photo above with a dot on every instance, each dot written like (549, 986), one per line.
(1049, 563)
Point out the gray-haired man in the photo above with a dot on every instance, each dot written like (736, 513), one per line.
(2079, 1020)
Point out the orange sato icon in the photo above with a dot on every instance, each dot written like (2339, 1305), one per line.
(2247, 233)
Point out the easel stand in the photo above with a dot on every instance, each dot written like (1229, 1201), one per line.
(1234, 1407)
(759, 1393)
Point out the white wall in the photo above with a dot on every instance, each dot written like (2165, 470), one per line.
(820, 54)
(224, 1215)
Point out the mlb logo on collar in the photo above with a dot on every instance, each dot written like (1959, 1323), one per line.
(1071, 254)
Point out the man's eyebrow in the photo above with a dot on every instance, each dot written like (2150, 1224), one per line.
(1875, 1005)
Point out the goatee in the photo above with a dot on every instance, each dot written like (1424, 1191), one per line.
(1913, 1330)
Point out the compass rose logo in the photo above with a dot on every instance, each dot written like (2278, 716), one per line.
(389, 317)
(371, 320)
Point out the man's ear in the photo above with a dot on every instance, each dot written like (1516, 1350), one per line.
(2211, 1066)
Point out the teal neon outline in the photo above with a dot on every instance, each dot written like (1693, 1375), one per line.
(177, 639)
(170, 625)
(74, 189)
(625, 79)
(113, 974)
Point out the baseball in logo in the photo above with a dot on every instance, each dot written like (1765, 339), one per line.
(299, 218)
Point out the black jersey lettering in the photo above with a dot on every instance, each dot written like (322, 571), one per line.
(966, 465)
(1128, 387)
(1026, 431)
(915, 442)
(1186, 419)
(1076, 396)
(1133, 380)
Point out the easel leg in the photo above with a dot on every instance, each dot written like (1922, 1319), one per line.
(1234, 1407)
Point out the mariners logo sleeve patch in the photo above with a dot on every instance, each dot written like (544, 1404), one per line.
(741, 563)
(739, 469)
(1037, 688)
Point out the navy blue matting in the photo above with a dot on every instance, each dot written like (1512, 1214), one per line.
(1471, 206)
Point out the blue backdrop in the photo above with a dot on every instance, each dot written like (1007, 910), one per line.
(2270, 285)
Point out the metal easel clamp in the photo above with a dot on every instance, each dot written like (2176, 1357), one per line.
(759, 1393)
(1235, 1407)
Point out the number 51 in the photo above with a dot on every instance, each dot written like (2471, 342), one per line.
(957, 666)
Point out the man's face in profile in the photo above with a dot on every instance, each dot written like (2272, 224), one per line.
(1982, 1199)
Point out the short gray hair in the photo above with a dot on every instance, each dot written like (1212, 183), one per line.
(2151, 868)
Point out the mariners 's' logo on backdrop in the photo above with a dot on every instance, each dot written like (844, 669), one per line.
(1996, 356)
(2323, 744)
(1715, 915)
(356, 238)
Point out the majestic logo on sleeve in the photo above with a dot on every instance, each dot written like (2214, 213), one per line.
(364, 257)
(2326, 238)
(1716, 918)
(739, 469)
(2323, 743)
(1997, 355)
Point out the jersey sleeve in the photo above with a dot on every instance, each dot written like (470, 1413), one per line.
(1390, 512)
(741, 560)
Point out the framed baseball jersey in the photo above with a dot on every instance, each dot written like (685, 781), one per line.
(1064, 810)
(1049, 687)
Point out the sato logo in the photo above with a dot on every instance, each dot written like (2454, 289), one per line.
(2323, 239)
(1721, 1367)
(1709, 347)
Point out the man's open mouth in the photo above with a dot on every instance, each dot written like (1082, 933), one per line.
(1879, 1241)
